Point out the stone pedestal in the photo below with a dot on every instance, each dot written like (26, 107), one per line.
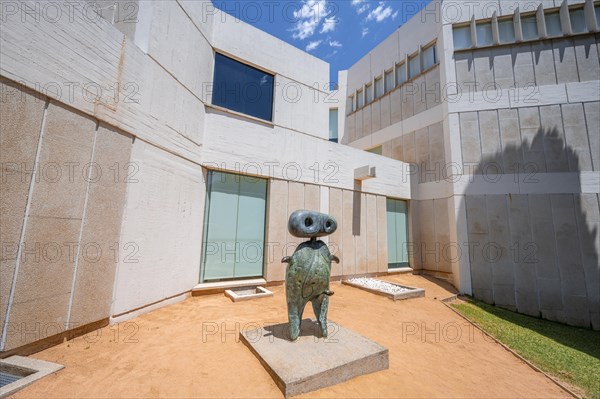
(312, 362)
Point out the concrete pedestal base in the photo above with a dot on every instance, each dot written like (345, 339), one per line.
(311, 362)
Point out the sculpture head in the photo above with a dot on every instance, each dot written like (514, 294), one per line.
(309, 224)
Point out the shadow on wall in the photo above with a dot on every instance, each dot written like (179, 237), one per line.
(535, 249)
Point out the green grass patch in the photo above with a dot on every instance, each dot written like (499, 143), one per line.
(571, 354)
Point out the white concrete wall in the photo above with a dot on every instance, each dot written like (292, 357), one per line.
(159, 250)
(300, 107)
(265, 51)
(459, 11)
(285, 154)
(163, 67)
(405, 109)
(63, 191)
(408, 123)
(182, 41)
(341, 103)
(539, 132)
(166, 76)
(94, 58)
(300, 78)
(424, 27)
(565, 75)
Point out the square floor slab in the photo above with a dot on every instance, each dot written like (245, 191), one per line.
(311, 362)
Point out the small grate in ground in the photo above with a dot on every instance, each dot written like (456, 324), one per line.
(8, 378)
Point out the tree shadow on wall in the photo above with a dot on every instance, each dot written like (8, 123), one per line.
(534, 235)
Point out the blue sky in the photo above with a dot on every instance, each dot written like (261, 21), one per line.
(337, 31)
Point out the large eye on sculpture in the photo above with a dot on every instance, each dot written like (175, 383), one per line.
(308, 222)
(330, 226)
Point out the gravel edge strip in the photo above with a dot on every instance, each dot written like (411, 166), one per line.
(381, 285)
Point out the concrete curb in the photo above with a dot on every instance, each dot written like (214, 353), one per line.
(447, 301)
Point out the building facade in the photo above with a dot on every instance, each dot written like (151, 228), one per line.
(153, 151)
(152, 154)
(495, 105)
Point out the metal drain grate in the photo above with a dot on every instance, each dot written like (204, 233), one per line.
(16, 372)
(7, 378)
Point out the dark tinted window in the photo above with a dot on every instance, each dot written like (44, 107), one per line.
(529, 28)
(242, 88)
(553, 26)
(506, 29)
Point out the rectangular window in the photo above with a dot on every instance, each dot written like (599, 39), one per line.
(597, 9)
(242, 88)
(368, 93)
(333, 125)
(397, 233)
(234, 227)
(414, 66)
(376, 150)
(553, 26)
(360, 99)
(389, 80)
(429, 57)
(462, 37)
(484, 34)
(506, 29)
(530, 28)
(350, 105)
(577, 17)
(400, 74)
(378, 87)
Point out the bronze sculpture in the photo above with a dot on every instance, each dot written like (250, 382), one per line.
(309, 269)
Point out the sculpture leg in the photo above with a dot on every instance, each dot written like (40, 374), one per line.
(295, 318)
(320, 306)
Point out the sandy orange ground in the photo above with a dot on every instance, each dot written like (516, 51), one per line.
(191, 349)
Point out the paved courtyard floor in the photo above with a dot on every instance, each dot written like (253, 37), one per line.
(192, 349)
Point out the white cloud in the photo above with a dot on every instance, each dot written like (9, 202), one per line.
(365, 32)
(313, 45)
(360, 6)
(309, 17)
(395, 14)
(380, 13)
(335, 43)
(329, 24)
